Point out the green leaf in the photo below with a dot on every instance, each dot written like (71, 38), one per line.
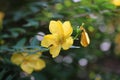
(9, 77)
(25, 78)
(2, 74)
(108, 6)
(20, 43)
(31, 23)
(39, 76)
(16, 31)
(34, 42)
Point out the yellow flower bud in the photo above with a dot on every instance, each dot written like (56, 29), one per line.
(85, 41)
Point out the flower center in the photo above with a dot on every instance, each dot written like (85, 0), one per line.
(62, 40)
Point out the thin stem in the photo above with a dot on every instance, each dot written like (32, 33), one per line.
(29, 49)
(78, 32)
(76, 36)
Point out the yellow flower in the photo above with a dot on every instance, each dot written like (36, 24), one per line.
(60, 37)
(28, 62)
(85, 41)
(116, 2)
(2, 15)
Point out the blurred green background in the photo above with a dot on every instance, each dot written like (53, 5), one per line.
(24, 19)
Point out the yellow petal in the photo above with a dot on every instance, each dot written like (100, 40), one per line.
(40, 53)
(55, 50)
(116, 2)
(37, 64)
(49, 40)
(67, 29)
(17, 58)
(32, 57)
(24, 54)
(26, 67)
(55, 27)
(66, 45)
(85, 41)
